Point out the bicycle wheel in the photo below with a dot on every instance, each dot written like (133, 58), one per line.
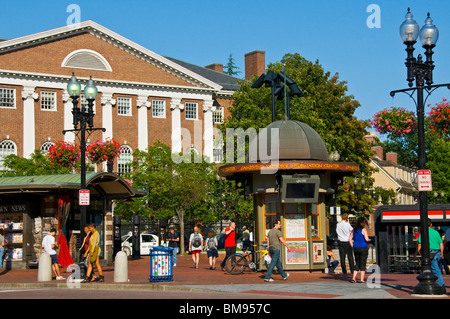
(236, 264)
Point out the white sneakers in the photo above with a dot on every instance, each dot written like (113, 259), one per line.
(60, 278)
(271, 279)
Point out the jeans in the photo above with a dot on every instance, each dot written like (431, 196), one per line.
(275, 254)
(436, 270)
(229, 251)
(2, 251)
(175, 252)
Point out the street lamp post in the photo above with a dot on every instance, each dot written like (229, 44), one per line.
(422, 73)
(85, 117)
(359, 191)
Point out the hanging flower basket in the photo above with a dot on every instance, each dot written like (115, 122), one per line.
(64, 153)
(395, 121)
(439, 118)
(102, 151)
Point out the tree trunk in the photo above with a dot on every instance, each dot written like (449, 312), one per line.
(180, 214)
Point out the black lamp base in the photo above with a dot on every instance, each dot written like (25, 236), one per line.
(427, 285)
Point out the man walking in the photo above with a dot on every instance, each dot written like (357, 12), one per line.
(230, 243)
(49, 245)
(275, 239)
(436, 253)
(343, 230)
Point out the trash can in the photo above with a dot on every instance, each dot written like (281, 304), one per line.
(161, 264)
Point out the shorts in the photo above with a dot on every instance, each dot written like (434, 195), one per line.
(196, 252)
(212, 253)
(54, 259)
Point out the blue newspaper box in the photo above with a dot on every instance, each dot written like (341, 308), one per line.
(161, 264)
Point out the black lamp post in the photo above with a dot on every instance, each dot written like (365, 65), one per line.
(422, 73)
(84, 117)
(359, 191)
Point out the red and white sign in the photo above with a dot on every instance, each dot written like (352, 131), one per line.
(424, 180)
(84, 198)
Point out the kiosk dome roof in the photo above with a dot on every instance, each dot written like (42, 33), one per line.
(297, 141)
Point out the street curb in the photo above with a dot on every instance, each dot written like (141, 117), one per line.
(98, 286)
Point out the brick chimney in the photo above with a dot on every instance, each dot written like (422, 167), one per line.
(391, 156)
(255, 63)
(216, 67)
(378, 151)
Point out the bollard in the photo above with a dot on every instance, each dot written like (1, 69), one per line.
(45, 267)
(121, 267)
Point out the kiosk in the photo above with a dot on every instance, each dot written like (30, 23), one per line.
(291, 188)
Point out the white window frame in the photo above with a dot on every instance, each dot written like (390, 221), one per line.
(189, 111)
(122, 100)
(11, 148)
(13, 92)
(49, 97)
(218, 115)
(126, 157)
(46, 146)
(159, 105)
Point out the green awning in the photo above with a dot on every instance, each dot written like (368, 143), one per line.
(108, 184)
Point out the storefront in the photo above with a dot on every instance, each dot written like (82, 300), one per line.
(31, 205)
(294, 190)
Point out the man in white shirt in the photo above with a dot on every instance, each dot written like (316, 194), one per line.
(49, 245)
(343, 230)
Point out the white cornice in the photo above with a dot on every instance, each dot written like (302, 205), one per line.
(64, 79)
(114, 38)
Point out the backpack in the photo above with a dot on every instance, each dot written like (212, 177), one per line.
(196, 242)
(211, 244)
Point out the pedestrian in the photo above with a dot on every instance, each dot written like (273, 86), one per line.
(436, 253)
(274, 241)
(173, 237)
(332, 262)
(84, 248)
(446, 243)
(245, 239)
(2, 247)
(49, 245)
(211, 250)
(196, 245)
(360, 248)
(343, 230)
(94, 256)
(230, 243)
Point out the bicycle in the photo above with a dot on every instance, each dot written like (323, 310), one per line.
(237, 263)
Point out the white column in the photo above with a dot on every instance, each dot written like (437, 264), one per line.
(208, 134)
(176, 107)
(143, 105)
(107, 121)
(29, 134)
(68, 118)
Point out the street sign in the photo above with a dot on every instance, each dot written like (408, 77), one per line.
(84, 197)
(424, 180)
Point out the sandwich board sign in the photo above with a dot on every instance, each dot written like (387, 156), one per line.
(424, 180)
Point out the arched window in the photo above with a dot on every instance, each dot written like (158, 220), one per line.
(86, 59)
(126, 157)
(7, 147)
(46, 146)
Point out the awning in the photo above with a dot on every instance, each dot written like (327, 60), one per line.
(106, 184)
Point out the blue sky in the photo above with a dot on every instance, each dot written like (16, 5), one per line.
(334, 32)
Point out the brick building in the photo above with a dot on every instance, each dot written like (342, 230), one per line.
(143, 97)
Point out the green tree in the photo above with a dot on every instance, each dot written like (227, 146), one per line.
(179, 187)
(37, 164)
(231, 68)
(438, 161)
